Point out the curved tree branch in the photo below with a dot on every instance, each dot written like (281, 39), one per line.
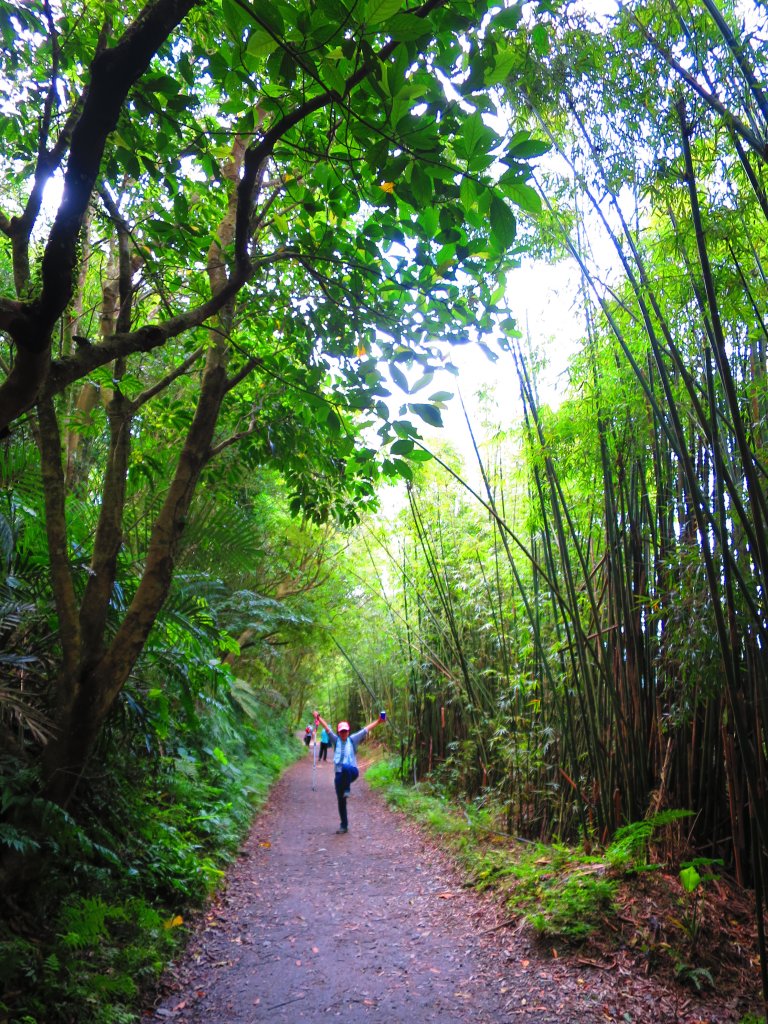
(113, 72)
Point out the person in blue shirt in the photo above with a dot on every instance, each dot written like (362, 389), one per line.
(345, 761)
(325, 742)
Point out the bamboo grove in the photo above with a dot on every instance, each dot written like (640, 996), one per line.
(584, 609)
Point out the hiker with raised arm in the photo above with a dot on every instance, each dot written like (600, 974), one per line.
(345, 761)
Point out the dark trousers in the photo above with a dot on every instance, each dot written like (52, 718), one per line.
(323, 755)
(342, 781)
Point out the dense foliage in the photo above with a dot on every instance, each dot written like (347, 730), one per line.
(228, 240)
(125, 874)
(260, 207)
(585, 624)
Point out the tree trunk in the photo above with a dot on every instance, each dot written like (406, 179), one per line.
(87, 693)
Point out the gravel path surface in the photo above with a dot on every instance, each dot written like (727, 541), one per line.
(375, 926)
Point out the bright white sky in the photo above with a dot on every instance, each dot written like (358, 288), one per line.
(541, 298)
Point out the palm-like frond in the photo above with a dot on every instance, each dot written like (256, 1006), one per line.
(251, 700)
(221, 537)
(20, 713)
(245, 610)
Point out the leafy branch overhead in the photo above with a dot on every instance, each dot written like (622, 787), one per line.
(370, 212)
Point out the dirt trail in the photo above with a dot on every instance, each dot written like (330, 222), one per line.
(373, 926)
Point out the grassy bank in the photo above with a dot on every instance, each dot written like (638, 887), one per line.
(673, 916)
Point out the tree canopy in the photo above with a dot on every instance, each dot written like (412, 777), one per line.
(223, 222)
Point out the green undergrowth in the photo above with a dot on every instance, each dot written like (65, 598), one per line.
(568, 896)
(107, 890)
(562, 892)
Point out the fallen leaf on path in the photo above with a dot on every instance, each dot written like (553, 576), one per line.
(446, 895)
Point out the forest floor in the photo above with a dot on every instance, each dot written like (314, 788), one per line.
(379, 926)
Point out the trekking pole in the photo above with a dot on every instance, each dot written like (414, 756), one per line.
(314, 756)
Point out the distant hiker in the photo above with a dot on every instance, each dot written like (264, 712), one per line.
(325, 742)
(345, 761)
(307, 735)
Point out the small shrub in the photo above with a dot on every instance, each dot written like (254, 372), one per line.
(384, 774)
(571, 908)
(696, 978)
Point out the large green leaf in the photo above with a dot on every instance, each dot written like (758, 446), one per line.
(476, 137)
(422, 382)
(525, 148)
(407, 27)
(428, 413)
(421, 185)
(260, 43)
(419, 455)
(398, 377)
(503, 224)
(403, 446)
(377, 11)
(524, 196)
(504, 62)
(540, 39)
